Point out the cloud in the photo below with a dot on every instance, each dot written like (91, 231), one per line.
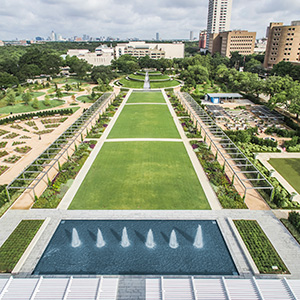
(133, 18)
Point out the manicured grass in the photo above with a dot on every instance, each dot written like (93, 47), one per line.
(164, 84)
(132, 84)
(141, 175)
(68, 80)
(14, 247)
(289, 168)
(146, 97)
(142, 77)
(86, 99)
(144, 121)
(154, 85)
(21, 108)
(260, 248)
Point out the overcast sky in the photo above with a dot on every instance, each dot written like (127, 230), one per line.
(133, 18)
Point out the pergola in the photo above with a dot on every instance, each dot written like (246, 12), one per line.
(234, 159)
(38, 170)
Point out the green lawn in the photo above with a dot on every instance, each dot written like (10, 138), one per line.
(154, 77)
(21, 108)
(86, 99)
(144, 121)
(132, 84)
(154, 85)
(146, 97)
(289, 168)
(141, 175)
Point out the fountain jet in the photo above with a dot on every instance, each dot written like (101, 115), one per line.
(147, 82)
(125, 240)
(198, 242)
(150, 240)
(173, 240)
(100, 241)
(75, 239)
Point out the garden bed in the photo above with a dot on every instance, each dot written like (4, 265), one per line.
(16, 244)
(260, 248)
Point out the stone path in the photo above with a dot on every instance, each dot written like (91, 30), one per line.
(264, 157)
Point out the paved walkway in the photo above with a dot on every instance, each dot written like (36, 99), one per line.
(146, 103)
(264, 157)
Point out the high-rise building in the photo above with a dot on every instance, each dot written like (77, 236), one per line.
(191, 35)
(219, 16)
(157, 36)
(53, 36)
(283, 44)
(202, 39)
(240, 41)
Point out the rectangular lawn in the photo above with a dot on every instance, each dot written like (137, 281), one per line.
(289, 168)
(141, 175)
(144, 121)
(146, 97)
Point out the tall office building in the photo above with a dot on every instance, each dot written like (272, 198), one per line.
(219, 16)
(157, 36)
(191, 35)
(283, 44)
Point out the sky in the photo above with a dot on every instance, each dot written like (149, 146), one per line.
(173, 19)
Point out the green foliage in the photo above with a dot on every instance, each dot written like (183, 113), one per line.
(26, 97)
(16, 244)
(294, 218)
(35, 103)
(78, 66)
(260, 248)
(11, 98)
(227, 194)
(58, 187)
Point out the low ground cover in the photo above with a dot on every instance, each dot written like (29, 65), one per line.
(146, 97)
(141, 175)
(144, 121)
(289, 168)
(21, 107)
(63, 180)
(226, 193)
(14, 247)
(293, 224)
(262, 251)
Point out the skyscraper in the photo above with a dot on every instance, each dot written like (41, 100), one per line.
(219, 15)
(157, 36)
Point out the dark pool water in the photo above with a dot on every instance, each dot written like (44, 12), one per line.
(61, 258)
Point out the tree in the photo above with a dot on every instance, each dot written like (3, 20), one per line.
(11, 97)
(126, 63)
(35, 103)
(47, 100)
(67, 87)
(26, 97)
(7, 80)
(58, 94)
(78, 66)
(236, 60)
(104, 73)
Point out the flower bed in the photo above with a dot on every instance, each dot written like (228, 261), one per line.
(3, 144)
(25, 137)
(262, 251)
(227, 194)
(291, 228)
(11, 135)
(2, 170)
(16, 126)
(3, 153)
(18, 143)
(54, 125)
(31, 123)
(12, 159)
(23, 150)
(44, 131)
(54, 120)
(14, 247)
(59, 185)
(2, 132)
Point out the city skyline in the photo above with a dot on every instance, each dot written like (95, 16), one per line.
(172, 19)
